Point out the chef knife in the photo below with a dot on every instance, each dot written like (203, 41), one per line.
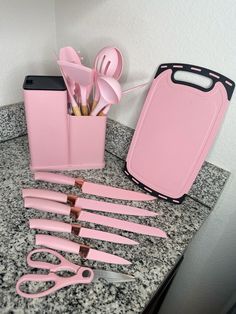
(93, 188)
(82, 215)
(84, 251)
(87, 203)
(58, 226)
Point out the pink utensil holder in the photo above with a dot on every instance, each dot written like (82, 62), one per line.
(57, 140)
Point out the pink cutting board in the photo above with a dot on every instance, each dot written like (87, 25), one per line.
(176, 128)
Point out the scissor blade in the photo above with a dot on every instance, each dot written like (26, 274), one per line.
(111, 276)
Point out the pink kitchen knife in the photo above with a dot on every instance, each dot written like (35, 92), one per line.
(84, 251)
(82, 215)
(93, 188)
(87, 203)
(58, 226)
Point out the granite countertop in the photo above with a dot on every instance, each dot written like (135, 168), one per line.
(151, 260)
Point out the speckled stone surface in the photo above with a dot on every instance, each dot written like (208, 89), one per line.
(12, 121)
(151, 260)
(209, 184)
(118, 138)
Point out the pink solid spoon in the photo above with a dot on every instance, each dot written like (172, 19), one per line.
(110, 93)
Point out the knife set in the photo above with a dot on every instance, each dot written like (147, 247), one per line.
(72, 205)
(66, 115)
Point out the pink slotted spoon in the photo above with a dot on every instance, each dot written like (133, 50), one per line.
(108, 62)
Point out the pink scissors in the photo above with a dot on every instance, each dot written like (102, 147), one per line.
(82, 275)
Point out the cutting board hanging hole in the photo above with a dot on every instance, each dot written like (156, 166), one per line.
(193, 78)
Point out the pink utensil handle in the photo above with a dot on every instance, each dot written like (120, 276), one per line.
(45, 194)
(60, 282)
(50, 225)
(54, 178)
(64, 264)
(106, 109)
(47, 206)
(57, 243)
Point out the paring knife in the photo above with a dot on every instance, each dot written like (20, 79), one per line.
(58, 226)
(84, 251)
(93, 188)
(87, 203)
(82, 215)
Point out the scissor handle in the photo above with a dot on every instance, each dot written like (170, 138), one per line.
(64, 264)
(85, 275)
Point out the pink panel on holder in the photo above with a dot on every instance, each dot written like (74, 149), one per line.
(87, 140)
(46, 115)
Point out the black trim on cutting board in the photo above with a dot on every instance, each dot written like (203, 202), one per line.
(214, 76)
(153, 192)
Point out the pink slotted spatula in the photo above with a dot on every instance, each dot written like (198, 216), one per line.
(81, 75)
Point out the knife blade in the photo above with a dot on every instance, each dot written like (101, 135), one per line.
(93, 188)
(84, 251)
(87, 203)
(58, 226)
(82, 215)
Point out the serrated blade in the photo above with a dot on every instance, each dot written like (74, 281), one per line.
(111, 276)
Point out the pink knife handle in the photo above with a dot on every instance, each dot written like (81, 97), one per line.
(56, 243)
(47, 206)
(54, 178)
(46, 194)
(50, 225)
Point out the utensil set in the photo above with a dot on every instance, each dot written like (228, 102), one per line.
(70, 204)
(80, 80)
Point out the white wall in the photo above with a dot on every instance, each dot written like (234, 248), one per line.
(27, 44)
